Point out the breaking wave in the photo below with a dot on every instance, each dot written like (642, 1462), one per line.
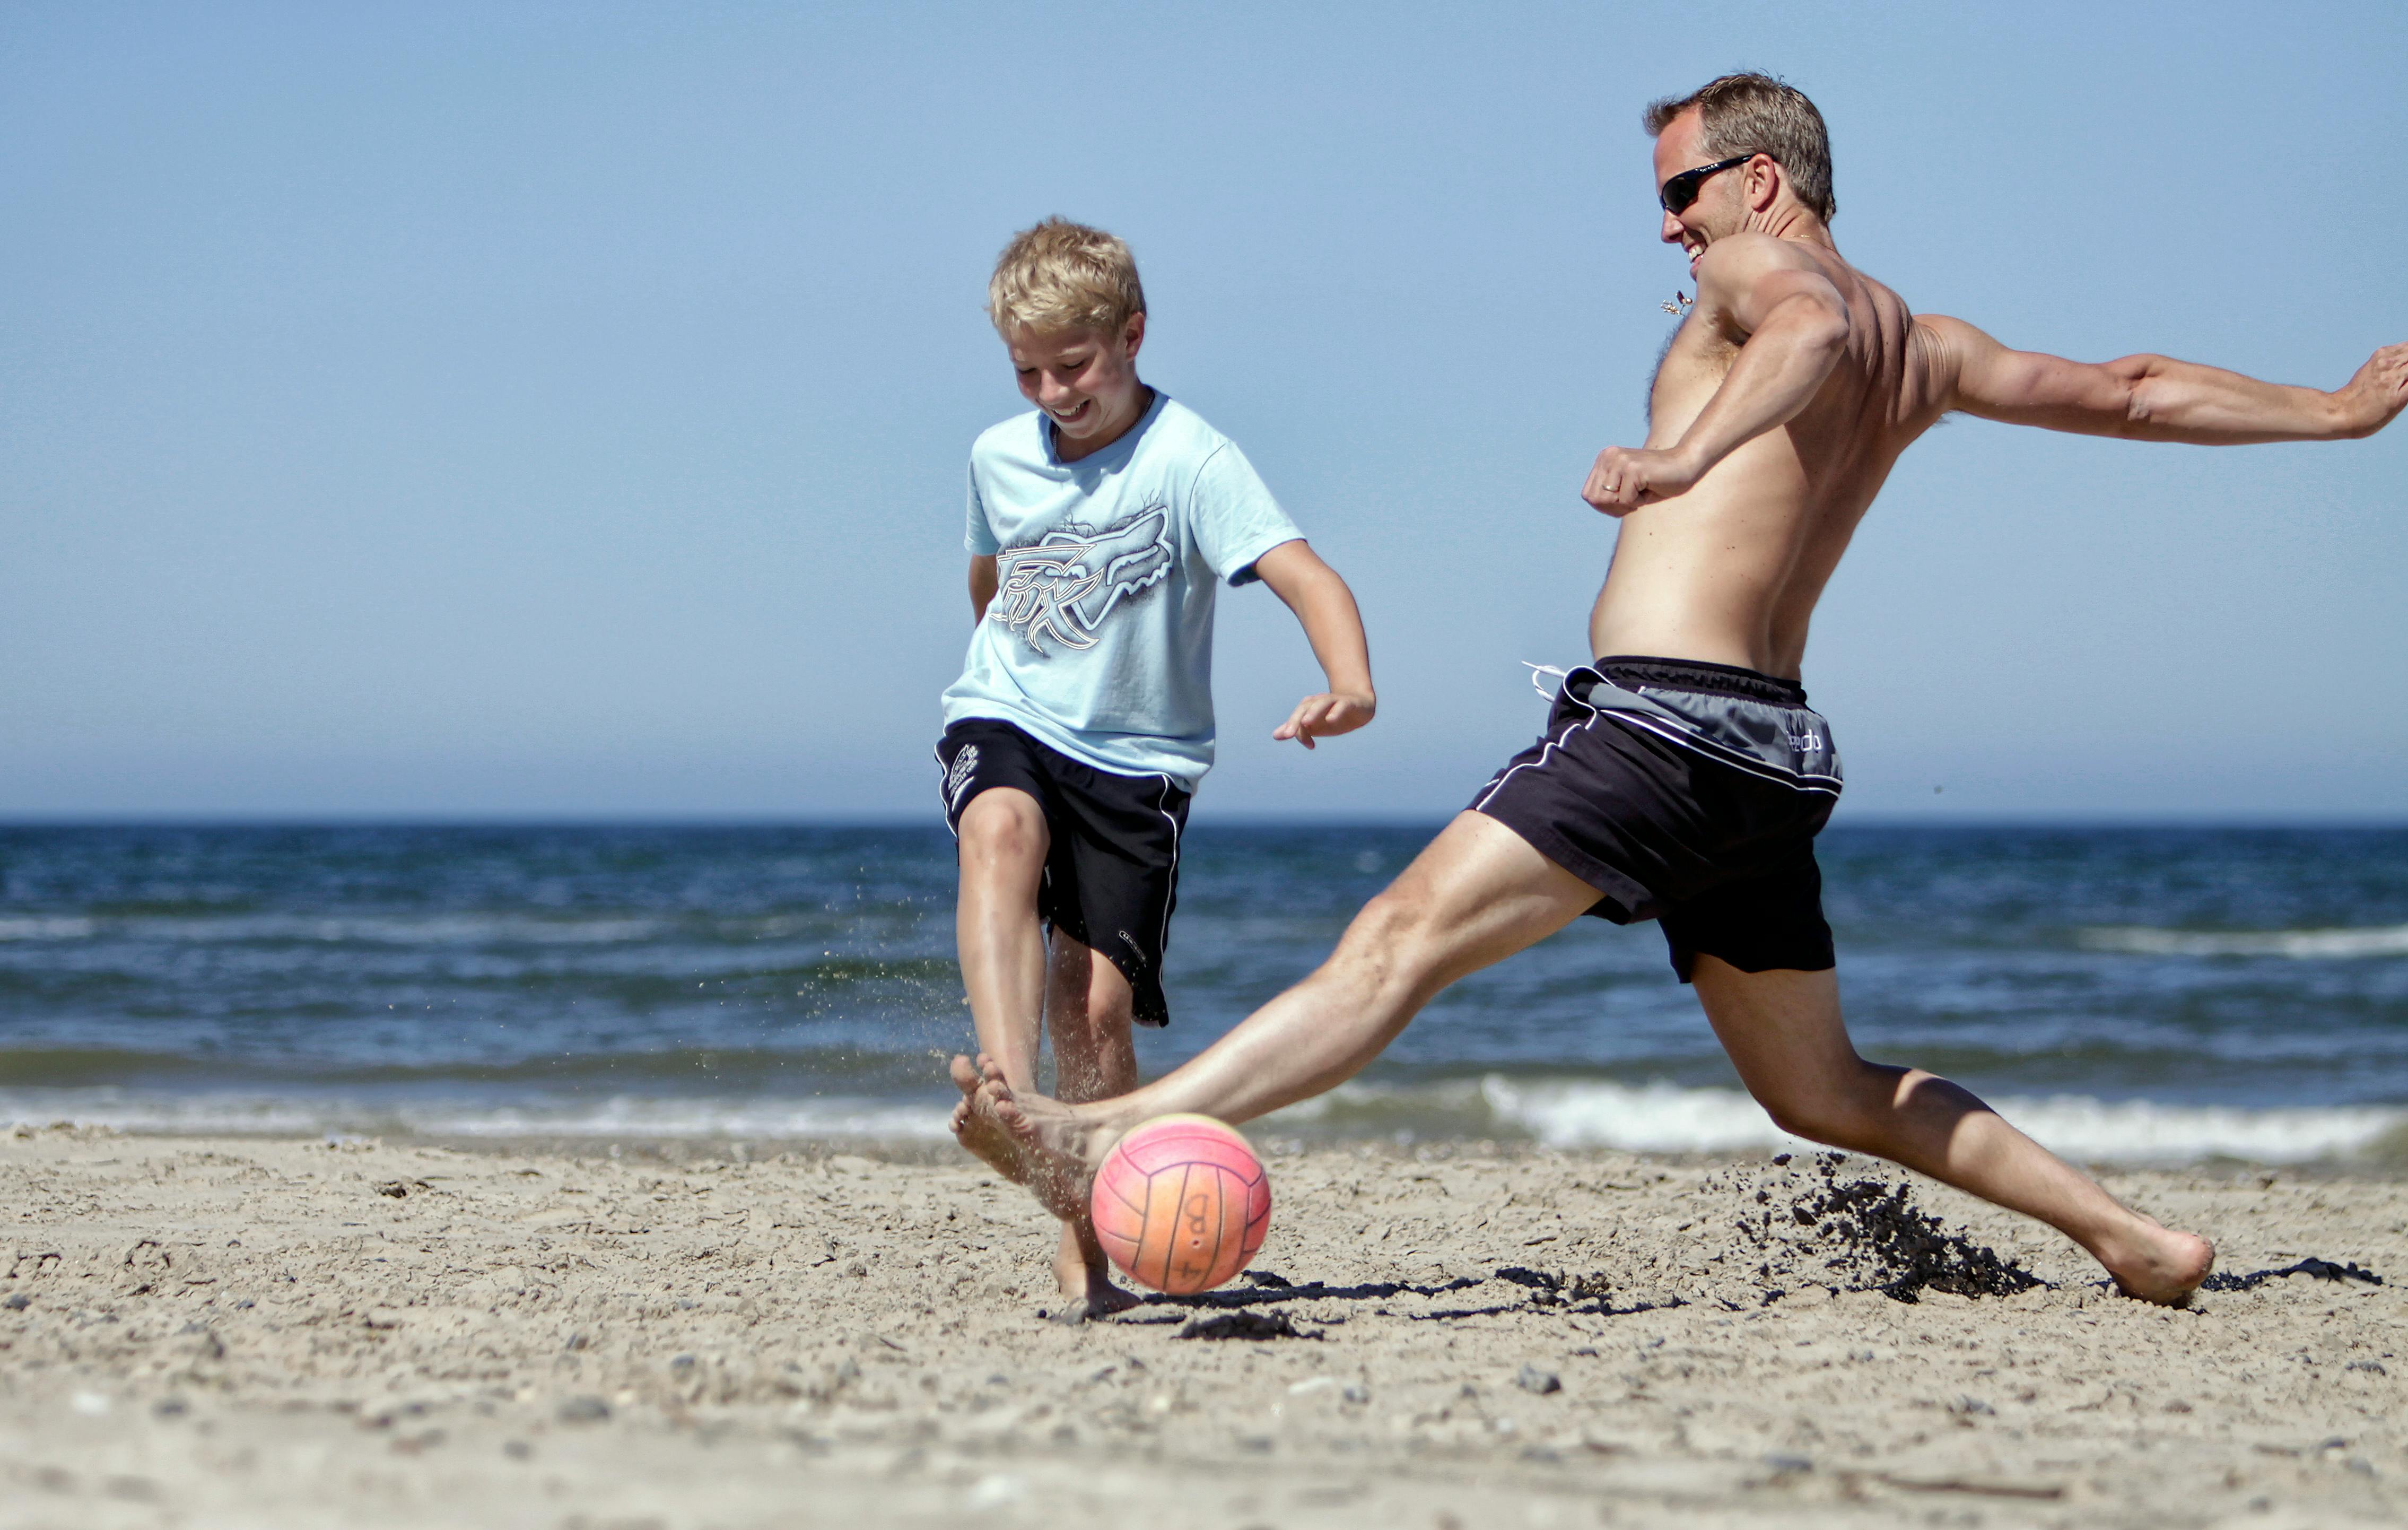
(626, 1116)
(1665, 1118)
(2301, 945)
(46, 928)
(1660, 1117)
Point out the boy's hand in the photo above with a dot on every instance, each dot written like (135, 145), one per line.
(1325, 715)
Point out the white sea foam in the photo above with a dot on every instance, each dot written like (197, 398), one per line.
(46, 929)
(623, 1116)
(1663, 1118)
(1668, 1117)
(396, 930)
(1647, 1117)
(2302, 945)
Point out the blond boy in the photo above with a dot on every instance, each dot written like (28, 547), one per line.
(1100, 527)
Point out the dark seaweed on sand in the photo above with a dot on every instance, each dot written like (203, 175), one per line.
(1859, 1234)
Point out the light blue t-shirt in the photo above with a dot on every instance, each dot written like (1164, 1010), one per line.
(1099, 639)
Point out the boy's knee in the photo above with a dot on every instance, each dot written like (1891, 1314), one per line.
(1004, 824)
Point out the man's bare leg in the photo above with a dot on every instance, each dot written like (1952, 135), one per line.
(1475, 896)
(1003, 846)
(1784, 1031)
(1089, 1009)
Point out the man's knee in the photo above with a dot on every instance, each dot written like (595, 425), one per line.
(1817, 1120)
(1390, 937)
(1392, 919)
(1842, 1112)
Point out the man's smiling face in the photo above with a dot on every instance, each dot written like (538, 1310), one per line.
(1720, 208)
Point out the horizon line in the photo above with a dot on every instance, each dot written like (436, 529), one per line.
(2072, 818)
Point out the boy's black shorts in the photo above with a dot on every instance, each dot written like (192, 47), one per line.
(1112, 875)
(1688, 793)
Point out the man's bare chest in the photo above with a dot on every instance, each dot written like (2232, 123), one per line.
(1693, 364)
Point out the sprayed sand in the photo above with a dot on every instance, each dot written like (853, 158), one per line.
(231, 1333)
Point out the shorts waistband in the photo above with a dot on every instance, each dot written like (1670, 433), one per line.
(1632, 671)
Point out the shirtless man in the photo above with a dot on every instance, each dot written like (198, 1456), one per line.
(1682, 777)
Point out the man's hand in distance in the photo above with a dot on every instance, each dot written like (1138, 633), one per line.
(2374, 397)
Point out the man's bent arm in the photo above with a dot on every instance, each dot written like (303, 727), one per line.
(983, 583)
(1796, 325)
(2148, 397)
(1325, 609)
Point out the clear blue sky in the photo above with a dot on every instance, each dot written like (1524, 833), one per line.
(524, 408)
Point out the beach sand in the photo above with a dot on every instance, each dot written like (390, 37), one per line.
(244, 1332)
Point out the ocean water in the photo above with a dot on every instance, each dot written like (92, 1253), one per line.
(2127, 994)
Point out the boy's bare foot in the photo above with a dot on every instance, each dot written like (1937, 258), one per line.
(1059, 1150)
(979, 1131)
(1085, 1277)
(2157, 1263)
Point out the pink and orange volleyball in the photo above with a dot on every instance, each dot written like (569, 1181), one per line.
(1180, 1203)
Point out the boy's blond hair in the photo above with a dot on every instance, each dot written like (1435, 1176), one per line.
(1061, 275)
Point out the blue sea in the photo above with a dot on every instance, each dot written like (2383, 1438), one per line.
(2128, 994)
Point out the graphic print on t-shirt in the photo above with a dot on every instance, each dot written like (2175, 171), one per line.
(1064, 583)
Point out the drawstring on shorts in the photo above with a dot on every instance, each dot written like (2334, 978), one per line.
(1539, 671)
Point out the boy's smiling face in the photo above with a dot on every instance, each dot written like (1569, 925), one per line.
(1084, 379)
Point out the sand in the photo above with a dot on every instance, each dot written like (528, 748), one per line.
(242, 1332)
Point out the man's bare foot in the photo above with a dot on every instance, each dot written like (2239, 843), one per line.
(1059, 1149)
(2157, 1263)
(978, 1132)
(1085, 1278)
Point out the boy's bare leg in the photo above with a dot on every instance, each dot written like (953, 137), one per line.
(1089, 1010)
(1784, 1031)
(1002, 946)
(1476, 895)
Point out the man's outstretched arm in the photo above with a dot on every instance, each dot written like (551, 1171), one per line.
(2160, 399)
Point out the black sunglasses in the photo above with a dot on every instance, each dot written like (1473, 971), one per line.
(1680, 193)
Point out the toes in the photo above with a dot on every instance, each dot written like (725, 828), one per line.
(966, 1076)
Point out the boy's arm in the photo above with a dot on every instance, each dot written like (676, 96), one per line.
(1325, 608)
(2160, 399)
(983, 583)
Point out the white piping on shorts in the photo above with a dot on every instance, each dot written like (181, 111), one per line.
(944, 802)
(1553, 744)
(1162, 806)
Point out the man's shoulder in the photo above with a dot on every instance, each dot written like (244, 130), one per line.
(1751, 251)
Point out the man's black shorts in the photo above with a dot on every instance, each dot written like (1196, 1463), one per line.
(1690, 793)
(1111, 875)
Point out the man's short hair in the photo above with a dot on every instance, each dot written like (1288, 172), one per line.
(1756, 114)
(1061, 275)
